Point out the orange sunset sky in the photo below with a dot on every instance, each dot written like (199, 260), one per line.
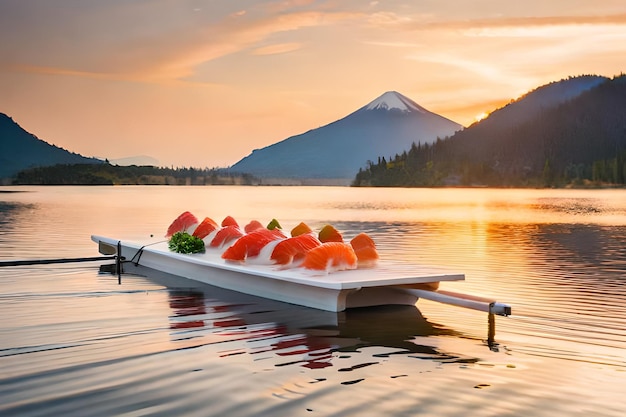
(204, 82)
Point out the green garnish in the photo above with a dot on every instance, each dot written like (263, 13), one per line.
(274, 225)
(183, 242)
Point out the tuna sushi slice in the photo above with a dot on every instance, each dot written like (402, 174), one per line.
(250, 245)
(225, 235)
(205, 227)
(294, 249)
(252, 226)
(186, 222)
(229, 221)
(365, 250)
(330, 257)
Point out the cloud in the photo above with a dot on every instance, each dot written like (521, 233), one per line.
(280, 48)
(504, 50)
(284, 5)
(430, 23)
(34, 69)
(483, 69)
(171, 53)
(387, 18)
(496, 25)
(392, 44)
(616, 19)
(232, 36)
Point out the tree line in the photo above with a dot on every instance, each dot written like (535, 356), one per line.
(107, 174)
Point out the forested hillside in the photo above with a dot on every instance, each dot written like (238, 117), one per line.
(578, 142)
(106, 174)
(20, 149)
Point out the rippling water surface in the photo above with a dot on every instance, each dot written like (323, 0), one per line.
(74, 342)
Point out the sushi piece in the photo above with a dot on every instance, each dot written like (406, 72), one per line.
(225, 235)
(330, 257)
(229, 221)
(207, 226)
(250, 245)
(300, 229)
(330, 234)
(294, 249)
(252, 226)
(186, 222)
(365, 250)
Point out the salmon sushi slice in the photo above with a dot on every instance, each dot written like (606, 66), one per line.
(225, 235)
(250, 245)
(207, 226)
(365, 250)
(300, 229)
(186, 222)
(330, 257)
(252, 226)
(294, 249)
(229, 221)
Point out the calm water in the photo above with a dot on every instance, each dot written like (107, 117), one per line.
(74, 342)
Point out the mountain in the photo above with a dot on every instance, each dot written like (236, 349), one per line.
(568, 132)
(385, 126)
(514, 138)
(538, 100)
(21, 150)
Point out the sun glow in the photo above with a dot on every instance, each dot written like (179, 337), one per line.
(481, 116)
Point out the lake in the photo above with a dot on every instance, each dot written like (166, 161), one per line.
(74, 342)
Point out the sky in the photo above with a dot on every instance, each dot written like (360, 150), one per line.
(201, 83)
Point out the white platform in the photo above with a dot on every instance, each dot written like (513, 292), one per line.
(336, 291)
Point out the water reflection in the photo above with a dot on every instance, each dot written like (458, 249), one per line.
(9, 211)
(79, 341)
(299, 336)
(565, 280)
(575, 206)
(12, 218)
(485, 205)
(187, 304)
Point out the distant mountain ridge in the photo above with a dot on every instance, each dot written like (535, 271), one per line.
(387, 125)
(20, 150)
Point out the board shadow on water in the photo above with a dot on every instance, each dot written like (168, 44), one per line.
(296, 336)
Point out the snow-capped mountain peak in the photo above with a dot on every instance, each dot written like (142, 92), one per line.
(392, 100)
(390, 124)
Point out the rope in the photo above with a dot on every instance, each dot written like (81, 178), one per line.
(140, 252)
(53, 261)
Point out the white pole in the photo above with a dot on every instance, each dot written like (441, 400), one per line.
(463, 300)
